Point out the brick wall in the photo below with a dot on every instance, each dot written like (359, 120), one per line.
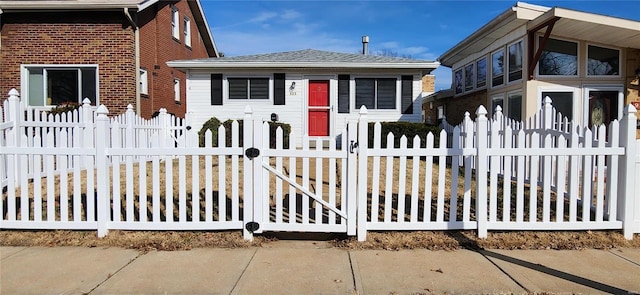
(455, 107)
(102, 38)
(157, 47)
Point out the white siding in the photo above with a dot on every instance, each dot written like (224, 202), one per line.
(295, 110)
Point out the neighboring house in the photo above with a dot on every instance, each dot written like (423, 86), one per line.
(112, 52)
(588, 64)
(313, 91)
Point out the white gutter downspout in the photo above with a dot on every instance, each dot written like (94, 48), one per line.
(137, 53)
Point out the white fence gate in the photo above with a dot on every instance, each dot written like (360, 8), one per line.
(88, 171)
(305, 190)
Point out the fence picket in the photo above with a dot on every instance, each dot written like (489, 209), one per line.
(453, 197)
(442, 165)
(388, 187)
(208, 178)
(546, 180)
(428, 180)
(612, 173)
(415, 179)
(278, 194)
(402, 179)
(375, 181)
(561, 177)
(319, 183)
(63, 184)
(506, 187)
(600, 176)
(587, 179)
(332, 179)
(222, 176)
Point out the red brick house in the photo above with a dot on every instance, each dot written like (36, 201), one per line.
(113, 52)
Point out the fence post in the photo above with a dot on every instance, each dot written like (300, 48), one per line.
(247, 190)
(627, 172)
(103, 203)
(15, 115)
(164, 123)
(481, 171)
(547, 115)
(87, 112)
(362, 198)
(190, 135)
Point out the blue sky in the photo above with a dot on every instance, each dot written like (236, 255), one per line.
(420, 29)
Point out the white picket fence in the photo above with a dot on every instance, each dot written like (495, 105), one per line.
(103, 173)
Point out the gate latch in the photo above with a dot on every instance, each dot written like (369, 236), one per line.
(353, 146)
(252, 226)
(252, 153)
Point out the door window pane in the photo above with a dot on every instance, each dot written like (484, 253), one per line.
(603, 107)
(559, 58)
(562, 102)
(603, 61)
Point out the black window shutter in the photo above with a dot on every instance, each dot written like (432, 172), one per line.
(407, 95)
(343, 94)
(216, 89)
(278, 89)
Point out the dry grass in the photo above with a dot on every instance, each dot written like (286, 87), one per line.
(140, 240)
(453, 240)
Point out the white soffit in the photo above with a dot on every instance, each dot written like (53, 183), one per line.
(591, 27)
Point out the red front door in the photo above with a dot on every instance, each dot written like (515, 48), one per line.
(319, 108)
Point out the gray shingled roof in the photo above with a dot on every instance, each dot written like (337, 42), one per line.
(305, 58)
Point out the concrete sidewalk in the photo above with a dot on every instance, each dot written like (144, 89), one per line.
(307, 267)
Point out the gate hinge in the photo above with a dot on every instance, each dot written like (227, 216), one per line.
(252, 226)
(252, 153)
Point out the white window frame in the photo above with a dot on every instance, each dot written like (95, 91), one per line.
(225, 89)
(578, 63)
(144, 82)
(187, 31)
(586, 61)
(175, 22)
(398, 79)
(176, 89)
(24, 81)
(603, 87)
(508, 62)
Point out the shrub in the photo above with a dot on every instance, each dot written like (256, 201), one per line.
(63, 108)
(213, 124)
(408, 129)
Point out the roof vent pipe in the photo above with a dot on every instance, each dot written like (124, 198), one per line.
(365, 45)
